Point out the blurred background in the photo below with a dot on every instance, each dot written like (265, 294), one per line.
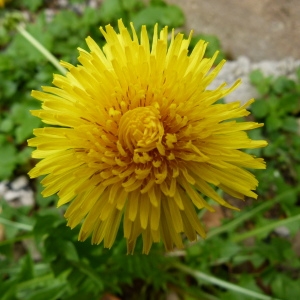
(258, 29)
(251, 254)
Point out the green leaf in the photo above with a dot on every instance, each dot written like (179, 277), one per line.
(256, 77)
(44, 287)
(110, 10)
(270, 150)
(20, 114)
(90, 272)
(264, 230)
(69, 251)
(157, 3)
(284, 287)
(8, 155)
(8, 88)
(46, 222)
(23, 50)
(8, 290)
(222, 283)
(33, 5)
(273, 123)
(6, 125)
(290, 103)
(26, 271)
(24, 155)
(260, 109)
(131, 5)
(255, 258)
(290, 124)
(282, 84)
(170, 15)
(261, 82)
(246, 281)
(25, 130)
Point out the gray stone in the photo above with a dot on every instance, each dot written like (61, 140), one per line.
(259, 29)
(19, 183)
(241, 68)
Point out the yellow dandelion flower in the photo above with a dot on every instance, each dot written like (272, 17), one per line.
(138, 139)
(2, 3)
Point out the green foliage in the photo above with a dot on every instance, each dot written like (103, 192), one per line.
(73, 270)
(278, 108)
(40, 258)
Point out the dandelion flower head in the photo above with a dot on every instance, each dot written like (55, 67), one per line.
(135, 136)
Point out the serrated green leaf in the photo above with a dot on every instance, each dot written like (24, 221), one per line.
(284, 287)
(45, 223)
(24, 155)
(273, 123)
(260, 109)
(26, 271)
(90, 272)
(290, 103)
(8, 161)
(282, 84)
(290, 124)
(43, 287)
(6, 125)
(69, 251)
(25, 130)
(256, 77)
(261, 82)
(171, 16)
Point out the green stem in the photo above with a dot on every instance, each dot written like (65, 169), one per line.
(41, 49)
(222, 283)
(257, 231)
(17, 225)
(246, 216)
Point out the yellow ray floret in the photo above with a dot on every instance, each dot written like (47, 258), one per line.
(136, 137)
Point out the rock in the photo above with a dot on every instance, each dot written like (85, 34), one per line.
(282, 231)
(242, 67)
(260, 29)
(17, 192)
(19, 183)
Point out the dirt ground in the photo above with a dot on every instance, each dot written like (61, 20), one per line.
(259, 29)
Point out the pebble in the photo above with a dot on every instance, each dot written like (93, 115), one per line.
(17, 192)
(282, 231)
(19, 183)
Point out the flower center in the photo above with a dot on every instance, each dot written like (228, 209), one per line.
(140, 129)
